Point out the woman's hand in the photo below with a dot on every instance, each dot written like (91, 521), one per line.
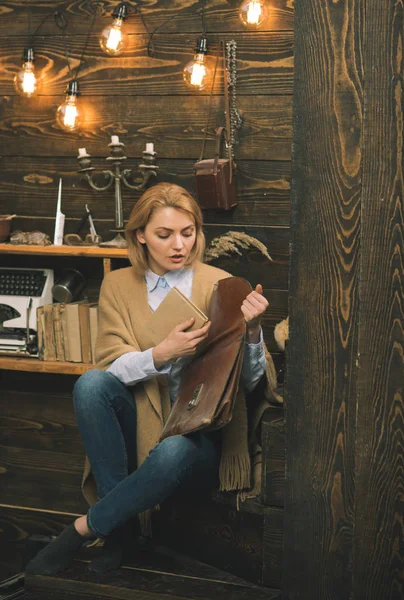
(179, 343)
(253, 308)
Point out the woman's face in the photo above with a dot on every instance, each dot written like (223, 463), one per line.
(169, 236)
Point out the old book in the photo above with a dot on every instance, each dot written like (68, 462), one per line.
(93, 312)
(73, 331)
(85, 336)
(173, 310)
(58, 310)
(63, 322)
(49, 334)
(40, 325)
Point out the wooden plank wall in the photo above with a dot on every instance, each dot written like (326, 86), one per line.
(379, 528)
(141, 99)
(344, 491)
(144, 99)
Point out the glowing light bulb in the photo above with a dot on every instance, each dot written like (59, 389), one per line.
(253, 13)
(112, 39)
(68, 115)
(196, 73)
(25, 81)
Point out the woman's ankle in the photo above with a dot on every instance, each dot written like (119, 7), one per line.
(82, 528)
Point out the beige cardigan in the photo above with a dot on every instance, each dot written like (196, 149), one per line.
(123, 316)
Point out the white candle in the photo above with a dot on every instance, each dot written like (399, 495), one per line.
(82, 152)
(150, 148)
(114, 140)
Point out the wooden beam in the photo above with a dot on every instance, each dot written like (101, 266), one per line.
(379, 527)
(324, 269)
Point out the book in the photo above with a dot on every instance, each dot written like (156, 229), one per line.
(58, 310)
(173, 310)
(85, 334)
(40, 326)
(93, 312)
(63, 322)
(84, 323)
(49, 334)
(72, 328)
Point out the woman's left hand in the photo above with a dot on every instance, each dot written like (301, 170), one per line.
(253, 308)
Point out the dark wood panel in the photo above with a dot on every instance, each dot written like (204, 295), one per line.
(11, 569)
(143, 584)
(41, 479)
(274, 456)
(379, 531)
(324, 308)
(273, 548)
(215, 534)
(28, 128)
(17, 524)
(221, 15)
(39, 434)
(263, 189)
(51, 385)
(264, 64)
(39, 422)
(35, 404)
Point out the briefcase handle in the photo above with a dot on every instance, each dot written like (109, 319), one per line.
(221, 135)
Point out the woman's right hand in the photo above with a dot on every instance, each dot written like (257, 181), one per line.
(179, 343)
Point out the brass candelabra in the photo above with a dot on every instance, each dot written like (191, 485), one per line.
(144, 172)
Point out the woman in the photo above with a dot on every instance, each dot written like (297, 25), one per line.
(122, 405)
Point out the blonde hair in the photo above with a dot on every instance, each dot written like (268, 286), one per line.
(162, 195)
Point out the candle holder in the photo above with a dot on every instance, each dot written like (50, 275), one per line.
(144, 172)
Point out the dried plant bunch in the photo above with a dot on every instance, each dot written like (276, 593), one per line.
(233, 242)
(281, 333)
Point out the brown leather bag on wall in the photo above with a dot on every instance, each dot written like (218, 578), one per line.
(210, 382)
(214, 179)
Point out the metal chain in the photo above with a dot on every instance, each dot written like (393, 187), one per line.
(236, 120)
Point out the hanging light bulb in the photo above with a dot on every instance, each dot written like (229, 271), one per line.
(68, 115)
(253, 13)
(196, 73)
(25, 81)
(112, 39)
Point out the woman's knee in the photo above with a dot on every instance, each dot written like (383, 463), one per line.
(88, 388)
(176, 450)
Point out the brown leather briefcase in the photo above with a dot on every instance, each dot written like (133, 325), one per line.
(214, 179)
(210, 382)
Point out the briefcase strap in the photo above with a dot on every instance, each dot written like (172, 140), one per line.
(221, 135)
(210, 107)
(222, 49)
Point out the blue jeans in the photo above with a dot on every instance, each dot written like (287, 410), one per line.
(106, 418)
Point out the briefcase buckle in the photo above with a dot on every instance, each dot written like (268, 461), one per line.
(195, 396)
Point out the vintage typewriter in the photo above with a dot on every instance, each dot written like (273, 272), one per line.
(21, 292)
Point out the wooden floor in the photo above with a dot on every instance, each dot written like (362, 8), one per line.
(156, 573)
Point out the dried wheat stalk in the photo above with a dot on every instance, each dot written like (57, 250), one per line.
(231, 243)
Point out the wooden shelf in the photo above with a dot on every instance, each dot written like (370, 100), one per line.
(34, 365)
(90, 251)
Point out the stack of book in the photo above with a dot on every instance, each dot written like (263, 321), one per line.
(67, 332)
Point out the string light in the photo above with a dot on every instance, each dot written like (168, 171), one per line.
(26, 81)
(68, 115)
(253, 13)
(196, 74)
(112, 38)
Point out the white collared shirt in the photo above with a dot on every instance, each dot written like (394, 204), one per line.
(133, 367)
